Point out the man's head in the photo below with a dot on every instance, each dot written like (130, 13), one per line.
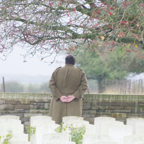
(70, 60)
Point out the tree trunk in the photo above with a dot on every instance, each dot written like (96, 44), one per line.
(101, 86)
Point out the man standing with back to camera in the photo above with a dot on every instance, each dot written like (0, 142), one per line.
(67, 86)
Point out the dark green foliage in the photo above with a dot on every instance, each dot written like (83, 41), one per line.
(115, 64)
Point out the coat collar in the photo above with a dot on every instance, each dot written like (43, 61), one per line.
(69, 65)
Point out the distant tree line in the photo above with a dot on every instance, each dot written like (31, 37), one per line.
(16, 87)
(13, 86)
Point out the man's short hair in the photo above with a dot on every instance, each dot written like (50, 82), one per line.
(70, 60)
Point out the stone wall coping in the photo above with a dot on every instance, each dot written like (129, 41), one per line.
(113, 97)
(26, 96)
(90, 97)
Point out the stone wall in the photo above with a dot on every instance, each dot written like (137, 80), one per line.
(29, 104)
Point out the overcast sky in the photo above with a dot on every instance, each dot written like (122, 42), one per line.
(15, 65)
(32, 71)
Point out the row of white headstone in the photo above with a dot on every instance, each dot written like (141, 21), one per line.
(13, 123)
(106, 130)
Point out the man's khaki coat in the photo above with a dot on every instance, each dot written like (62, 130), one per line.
(65, 81)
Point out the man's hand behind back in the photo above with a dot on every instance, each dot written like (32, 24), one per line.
(67, 99)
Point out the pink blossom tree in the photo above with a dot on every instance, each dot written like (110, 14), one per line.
(49, 26)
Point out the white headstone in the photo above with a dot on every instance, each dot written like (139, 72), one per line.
(9, 117)
(67, 118)
(15, 128)
(7, 120)
(82, 122)
(41, 129)
(105, 126)
(60, 142)
(92, 138)
(18, 142)
(19, 137)
(98, 122)
(139, 128)
(133, 121)
(0, 140)
(55, 137)
(117, 133)
(38, 122)
(16, 137)
(105, 143)
(38, 119)
(134, 139)
(90, 129)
